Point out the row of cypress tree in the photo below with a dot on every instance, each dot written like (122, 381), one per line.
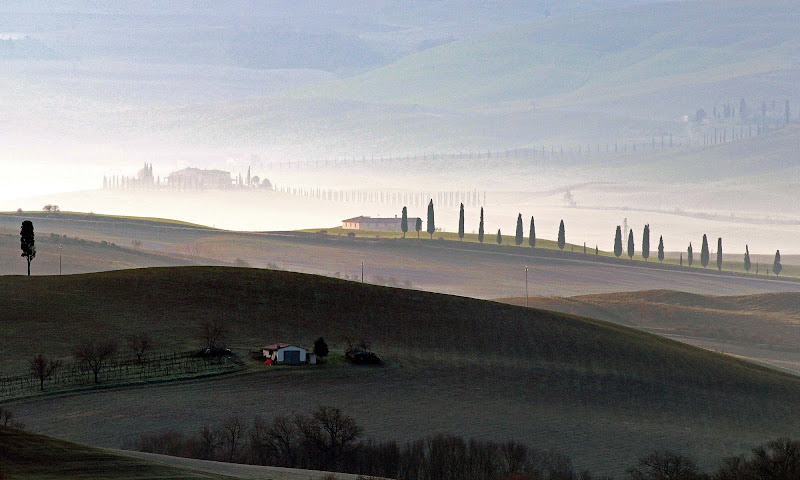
(518, 237)
(704, 251)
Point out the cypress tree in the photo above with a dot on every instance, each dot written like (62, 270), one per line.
(562, 239)
(27, 242)
(681, 259)
(431, 222)
(719, 254)
(618, 242)
(704, 252)
(418, 226)
(404, 222)
(532, 235)
(630, 244)
(518, 237)
(747, 264)
(646, 242)
(661, 249)
(480, 228)
(776, 265)
(499, 237)
(689, 256)
(461, 223)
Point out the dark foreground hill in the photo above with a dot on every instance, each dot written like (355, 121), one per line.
(602, 393)
(26, 456)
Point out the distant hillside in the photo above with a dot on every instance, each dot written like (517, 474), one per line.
(584, 58)
(762, 327)
(448, 356)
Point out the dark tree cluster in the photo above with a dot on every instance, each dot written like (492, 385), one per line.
(330, 440)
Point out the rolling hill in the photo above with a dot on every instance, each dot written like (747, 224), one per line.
(760, 327)
(566, 382)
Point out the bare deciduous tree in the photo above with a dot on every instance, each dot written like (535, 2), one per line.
(213, 334)
(43, 368)
(140, 343)
(94, 354)
(231, 435)
(330, 432)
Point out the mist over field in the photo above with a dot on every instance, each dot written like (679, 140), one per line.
(682, 115)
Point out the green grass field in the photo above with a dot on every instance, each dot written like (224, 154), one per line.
(564, 379)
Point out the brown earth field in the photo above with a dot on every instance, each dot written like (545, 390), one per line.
(599, 392)
(446, 266)
(763, 328)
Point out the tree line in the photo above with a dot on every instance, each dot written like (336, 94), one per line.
(330, 440)
(705, 255)
(519, 239)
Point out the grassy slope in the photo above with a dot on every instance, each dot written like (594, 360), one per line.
(586, 378)
(25, 456)
(760, 321)
(611, 52)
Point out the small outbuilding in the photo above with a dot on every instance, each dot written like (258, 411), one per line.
(286, 354)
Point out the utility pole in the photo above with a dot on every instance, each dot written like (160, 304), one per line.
(60, 246)
(526, 286)
(362, 272)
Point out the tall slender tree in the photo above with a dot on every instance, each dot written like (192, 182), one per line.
(776, 264)
(480, 228)
(27, 243)
(704, 255)
(431, 221)
(418, 226)
(404, 222)
(630, 244)
(618, 242)
(499, 237)
(518, 237)
(719, 254)
(562, 238)
(747, 264)
(646, 242)
(661, 249)
(461, 223)
(689, 255)
(532, 235)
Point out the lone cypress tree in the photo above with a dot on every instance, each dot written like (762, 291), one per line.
(404, 222)
(431, 222)
(499, 237)
(776, 265)
(704, 252)
(719, 254)
(418, 226)
(480, 228)
(461, 223)
(618, 242)
(747, 264)
(646, 242)
(532, 235)
(661, 249)
(562, 239)
(518, 237)
(630, 244)
(27, 243)
(689, 255)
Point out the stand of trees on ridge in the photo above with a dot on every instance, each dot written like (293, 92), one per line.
(519, 239)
